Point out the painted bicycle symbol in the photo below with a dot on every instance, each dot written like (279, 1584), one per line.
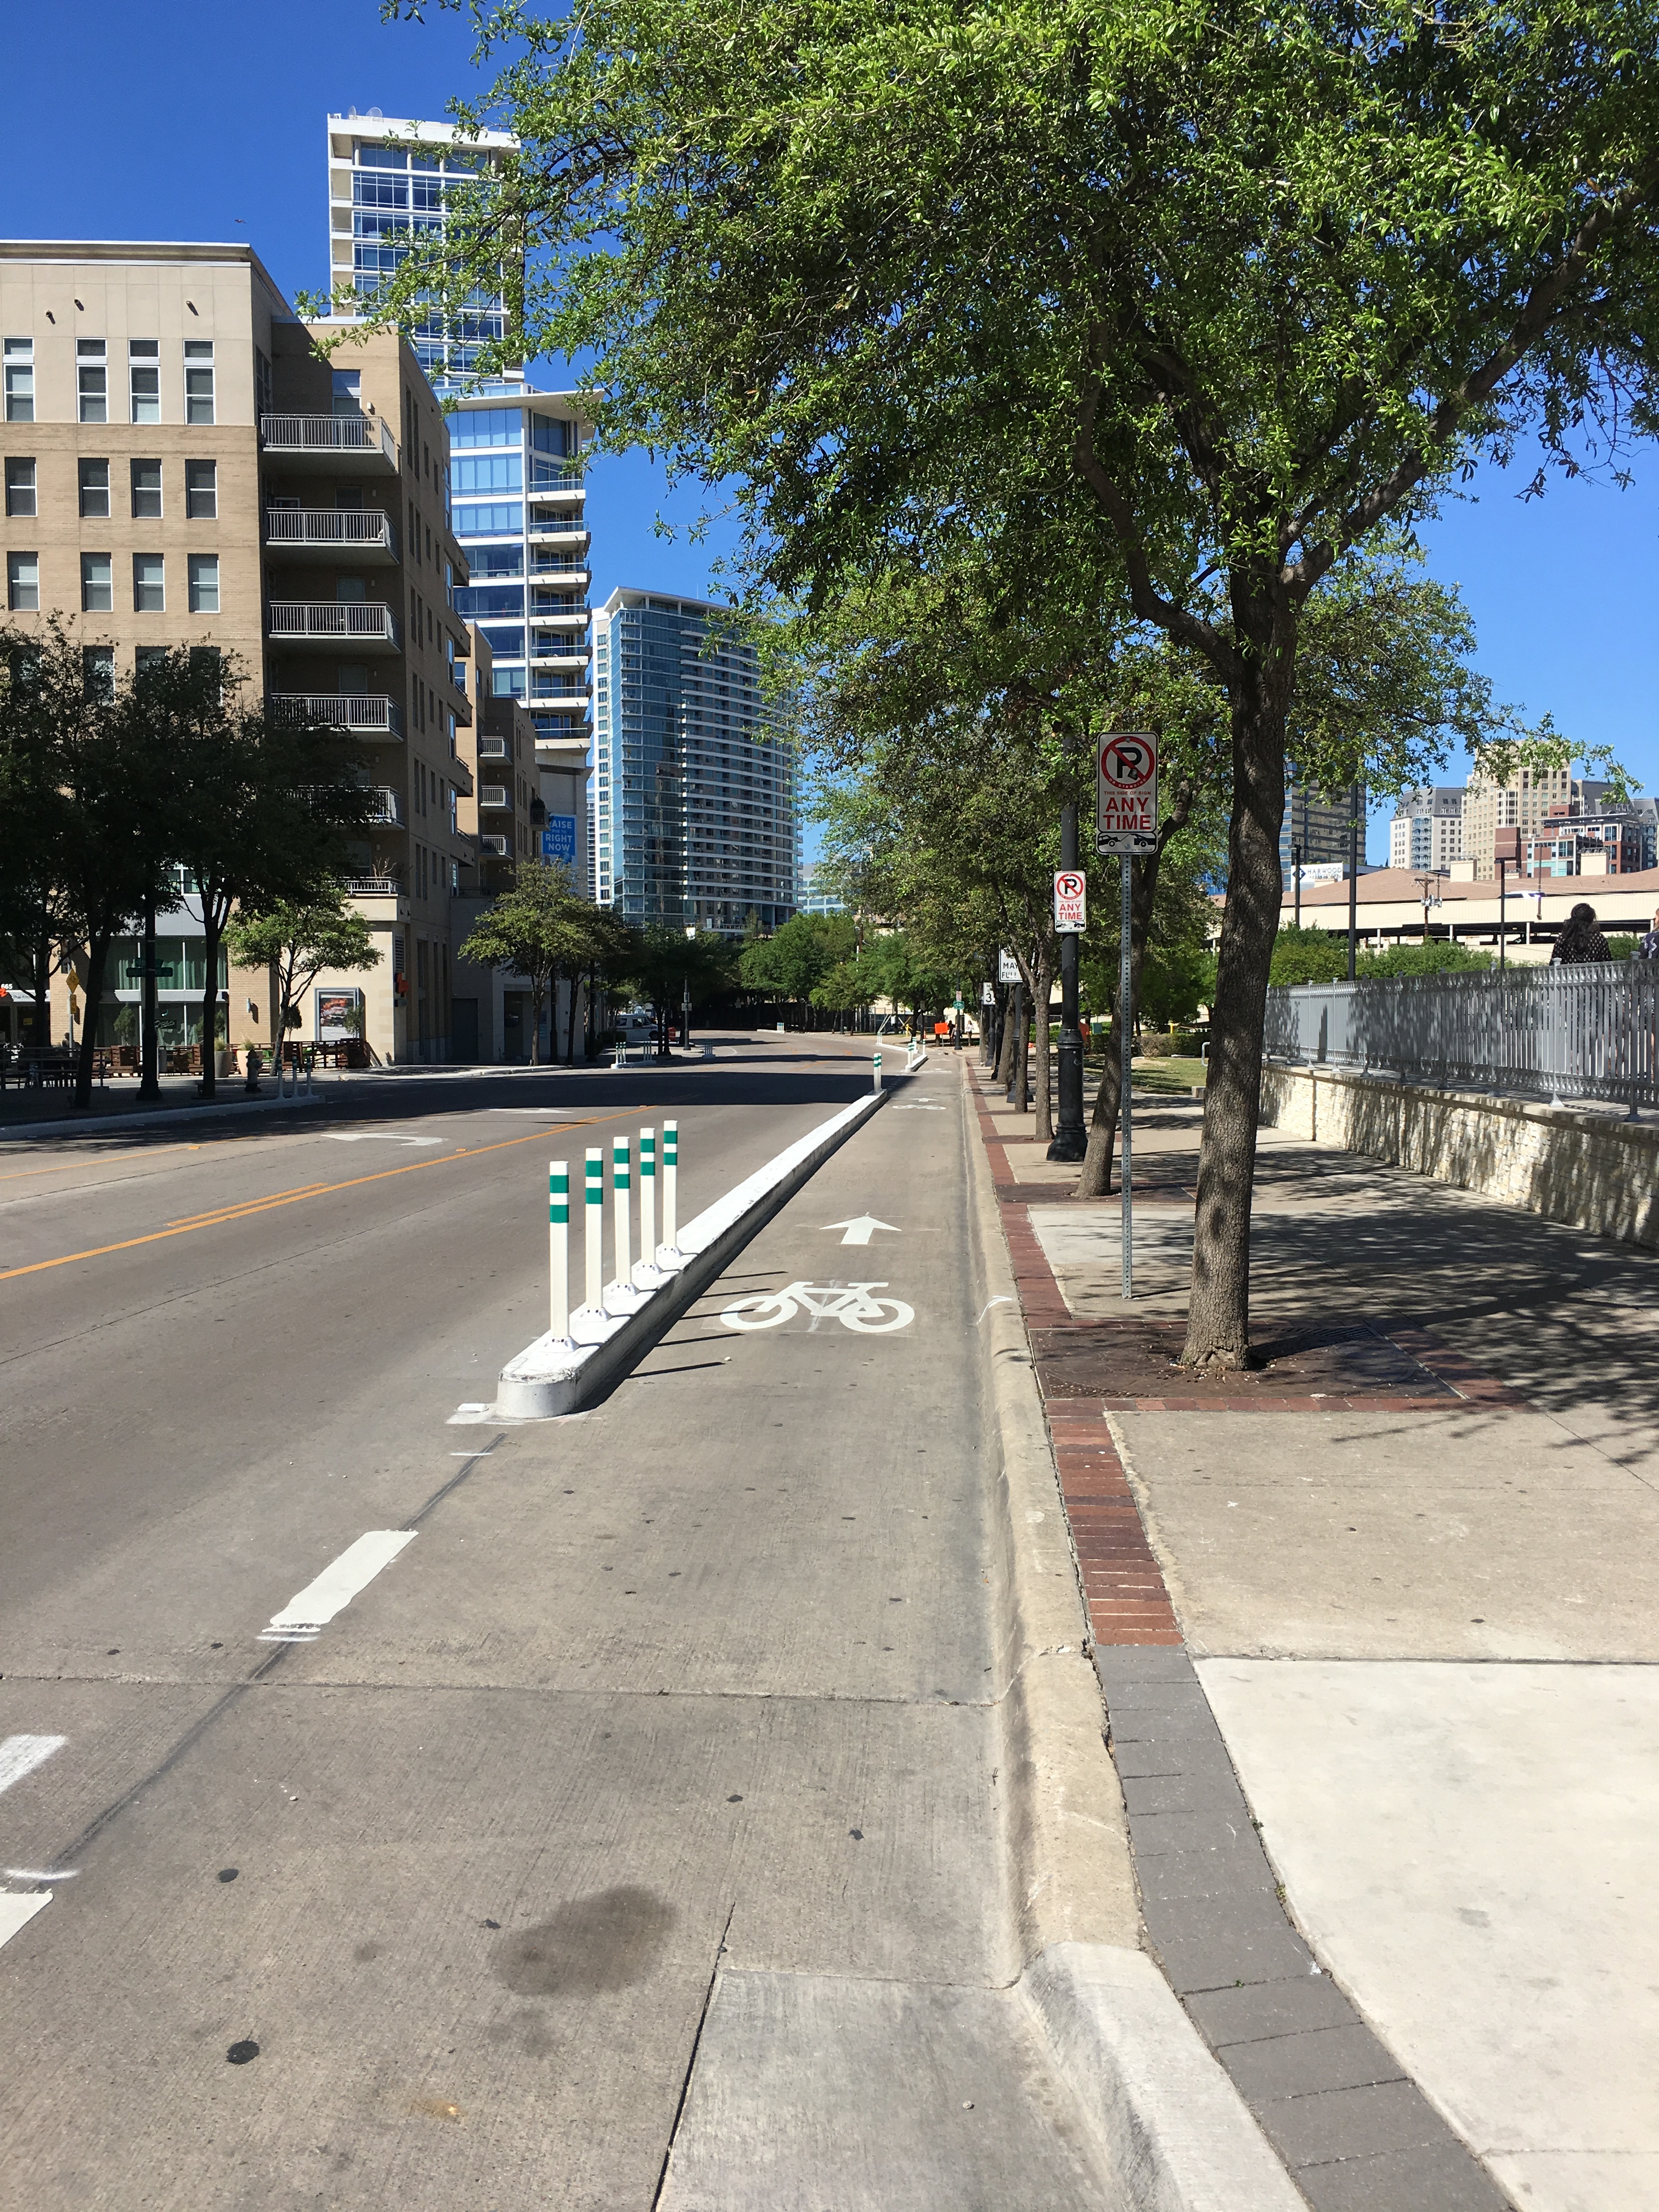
(850, 1303)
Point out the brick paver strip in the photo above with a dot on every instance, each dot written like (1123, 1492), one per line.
(1354, 2131)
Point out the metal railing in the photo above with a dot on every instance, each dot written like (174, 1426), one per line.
(560, 565)
(492, 748)
(364, 621)
(1558, 1032)
(368, 712)
(327, 434)
(386, 807)
(363, 528)
(369, 887)
(493, 795)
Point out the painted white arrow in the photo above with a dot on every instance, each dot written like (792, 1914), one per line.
(859, 1231)
(379, 1137)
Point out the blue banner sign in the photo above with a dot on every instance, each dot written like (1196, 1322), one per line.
(559, 839)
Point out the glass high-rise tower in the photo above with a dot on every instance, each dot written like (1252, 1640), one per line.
(387, 186)
(696, 820)
(517, 491)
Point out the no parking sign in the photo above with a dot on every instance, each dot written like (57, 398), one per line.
(1126, 794)
(1071, 902)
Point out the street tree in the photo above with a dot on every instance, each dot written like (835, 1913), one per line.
(260, 810)
(297, 941)
(1243, 286)
(540, 928)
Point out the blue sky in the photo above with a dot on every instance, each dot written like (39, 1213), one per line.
(192, 121)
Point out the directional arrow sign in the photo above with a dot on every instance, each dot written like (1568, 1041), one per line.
(859, 1231)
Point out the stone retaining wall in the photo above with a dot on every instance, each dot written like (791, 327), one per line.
(1588, 1170)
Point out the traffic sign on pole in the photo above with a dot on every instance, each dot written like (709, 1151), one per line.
(1071, 901)
(1008, 967)
(1126, 794)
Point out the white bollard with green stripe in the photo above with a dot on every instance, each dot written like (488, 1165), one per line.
(558, 1248)
(647, 1198)
(671, 1172)
(620, 1179)
(877, 1072)
(595, 1211)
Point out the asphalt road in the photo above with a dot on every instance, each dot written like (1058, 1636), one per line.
(646, 1795)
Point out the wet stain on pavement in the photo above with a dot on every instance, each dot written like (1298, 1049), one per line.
(607, 1941)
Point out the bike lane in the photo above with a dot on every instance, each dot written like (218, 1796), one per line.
(646, 1800)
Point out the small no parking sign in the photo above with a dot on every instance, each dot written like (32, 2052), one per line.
(1071, 902)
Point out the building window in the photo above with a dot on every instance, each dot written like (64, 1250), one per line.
(24, 583)
(19, 487)
(147, 489)
(205, 583)
(146, 658)
(261, 382)
(144, 379)
(198, 381)
(20, 380)
(149, 584)
(98, 670)
(93, 477)
(202, 490)
(91, 379)
(97, 584)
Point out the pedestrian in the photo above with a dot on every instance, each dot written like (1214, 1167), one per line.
(1647, 946)
(1580, 942)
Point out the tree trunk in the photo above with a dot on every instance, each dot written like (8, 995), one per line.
(149, 1042)
(1005, 1073)
(1043, 1128)
(1022, 1052)
(1219, 1315)
(570, 1021)
(97, 961)
(211, 927)
(1096, 1179)
(538, 993)
(41, 1017)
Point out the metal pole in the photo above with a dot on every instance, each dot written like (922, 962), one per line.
(595, 1211)
(647, 1198)
(671, 1174)
(1296, 876)
(558, 1250)
(1353, 881)
(1126, 1060)
(1502, 928)
(619, 1182)
(1071, 1138)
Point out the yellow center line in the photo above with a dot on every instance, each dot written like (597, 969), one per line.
(109, 1159)
(312, 1190)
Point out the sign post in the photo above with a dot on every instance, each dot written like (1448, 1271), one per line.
(1126, 823)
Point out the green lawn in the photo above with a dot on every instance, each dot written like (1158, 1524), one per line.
(1179, 1076)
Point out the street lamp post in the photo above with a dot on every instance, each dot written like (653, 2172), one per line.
(1071, 1138)
(1296, 880)
(1353, 881)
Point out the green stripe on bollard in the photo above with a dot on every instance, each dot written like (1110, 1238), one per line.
(647, 1155)
(670, 1144)
(596, 1178)
(558, 1195)
(619, 1163)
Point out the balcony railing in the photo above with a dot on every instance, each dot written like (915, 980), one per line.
(545, 478)
(494, 795)
(354, 620)
(494, 848)
(559, 564)
(327, 434)
(370, 886)
(365, 714)
(492, 748)
(328, 529)
(386, 808)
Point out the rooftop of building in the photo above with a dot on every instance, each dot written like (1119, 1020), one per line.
(371, 124)
(1403, 887)
(143, 253)
(666, 603)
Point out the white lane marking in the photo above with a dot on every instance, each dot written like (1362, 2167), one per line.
(859, 1231)
(21, 1754)
(379, 1137)
(466, 1417)
(993, 1302)
(17, 1912)
(41, 1874)
(850, 1303)
(915, 1106)
(316, 1605)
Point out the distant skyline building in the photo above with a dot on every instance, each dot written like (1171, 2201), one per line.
(814, 897)
(388, 181)
(1427, 829)
(696, 813)
(1317, 823)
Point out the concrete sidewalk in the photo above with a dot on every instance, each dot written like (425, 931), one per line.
(1399, 1585)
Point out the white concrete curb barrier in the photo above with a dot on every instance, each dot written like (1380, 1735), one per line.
(552, 1376)
(1181, 2138)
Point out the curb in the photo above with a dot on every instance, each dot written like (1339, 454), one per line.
(1172, 2130)
(547, 1379)
(163, 1117)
